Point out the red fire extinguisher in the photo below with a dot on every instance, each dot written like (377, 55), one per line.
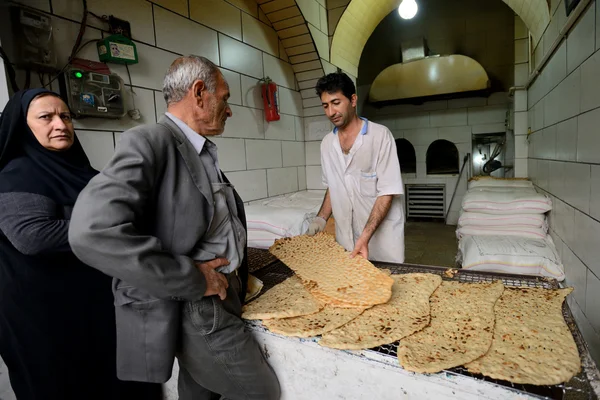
(270, 100)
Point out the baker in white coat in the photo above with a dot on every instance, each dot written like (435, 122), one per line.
(362, 175)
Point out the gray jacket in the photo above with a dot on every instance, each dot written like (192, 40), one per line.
(139, 221)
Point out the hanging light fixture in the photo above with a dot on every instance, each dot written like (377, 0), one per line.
(408, 9)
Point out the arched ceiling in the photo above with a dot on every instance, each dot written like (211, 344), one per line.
(361, 17)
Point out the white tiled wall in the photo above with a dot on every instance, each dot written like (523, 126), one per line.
(563, 160)
(261, 158)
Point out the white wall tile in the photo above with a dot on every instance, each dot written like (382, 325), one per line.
(37, 4)
(293, 154)
(263, 154)
(260, 35)
(597, 25)
(595, 192)
(421, 137)
(576, 275)
(301, 178)
(312, 111)
(240, 57)
(235, 90)
(521, 30)
(178, 6)
(284, 129)
(467, 102)
(161, 106)
(310, 10)
(314, 179)
(521, 51)
(487, 115)
(251, 92)
(282, 180)
(457, 134)
(585, 244)
(290, 102)
(591, 337)
(590, 77)
(551, 34)
(180, 35)
(577, 186)
(563, 102)
(316, 128)
(150, 71)
(65, 33)
(456, 117)
(556, 180)
(219, 15)
(313, 153)
(136, 12)
(520, 100)
(488, 128)
(414, 121)
(521, 146)
(588, 137)
(144, 101)
(245, 123)
(543, 173)
(321, 42)
(232, 154)
(250, 185)
(299, 124)
(592, 295)
(580, 42)
(566, 140)
(279, 71)
(549, 140)
(521, 74)
(98, 146)
(556, 69)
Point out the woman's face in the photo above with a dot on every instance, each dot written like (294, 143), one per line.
(50, 121)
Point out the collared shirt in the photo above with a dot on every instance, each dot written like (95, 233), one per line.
(225, 236)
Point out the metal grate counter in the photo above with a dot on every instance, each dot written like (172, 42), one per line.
(584, 386)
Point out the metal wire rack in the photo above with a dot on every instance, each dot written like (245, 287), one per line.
(259, 258)
(578, 388)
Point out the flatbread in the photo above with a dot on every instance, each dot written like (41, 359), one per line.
(253, 288)
(461, 328)
(287, 299)
(316, 324)
(326, 268)
(406, 312)
(532, 343)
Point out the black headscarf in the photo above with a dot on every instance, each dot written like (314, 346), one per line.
(27, 166)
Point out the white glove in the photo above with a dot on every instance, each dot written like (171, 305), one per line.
(317, 225)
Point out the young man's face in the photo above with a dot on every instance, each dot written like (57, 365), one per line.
(339, 109)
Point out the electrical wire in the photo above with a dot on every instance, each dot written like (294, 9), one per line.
(130, 85)
(69, 62)
(10, 71)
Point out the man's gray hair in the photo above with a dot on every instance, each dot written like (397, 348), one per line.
(184, 72)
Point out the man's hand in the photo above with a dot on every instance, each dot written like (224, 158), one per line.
(317, 225)
(216, 283)
(361, 248)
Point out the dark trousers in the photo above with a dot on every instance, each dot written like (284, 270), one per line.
(218, 356)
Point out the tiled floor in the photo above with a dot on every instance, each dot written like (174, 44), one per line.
(430, 243)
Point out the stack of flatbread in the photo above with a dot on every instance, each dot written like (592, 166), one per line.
(514, 334)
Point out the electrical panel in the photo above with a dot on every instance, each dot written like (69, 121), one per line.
(94, 94)
(27, 38)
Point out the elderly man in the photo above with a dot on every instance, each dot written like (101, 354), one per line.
(163, 220)
(362, 175)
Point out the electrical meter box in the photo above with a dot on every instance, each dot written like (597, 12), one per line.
(27, 38)
(117, 49)
(93, 94)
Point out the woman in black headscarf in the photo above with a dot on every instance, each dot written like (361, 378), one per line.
(57, 327)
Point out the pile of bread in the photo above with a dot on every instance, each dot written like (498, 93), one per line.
(513, 334)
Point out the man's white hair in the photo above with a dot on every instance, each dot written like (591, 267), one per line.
(184, 72)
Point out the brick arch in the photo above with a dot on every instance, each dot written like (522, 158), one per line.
(360, 19)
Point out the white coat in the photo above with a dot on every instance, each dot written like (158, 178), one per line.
(372, 170)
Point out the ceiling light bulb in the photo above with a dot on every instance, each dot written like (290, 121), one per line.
(408, 9)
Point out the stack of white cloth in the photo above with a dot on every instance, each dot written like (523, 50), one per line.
(503, 228)
(279, 217)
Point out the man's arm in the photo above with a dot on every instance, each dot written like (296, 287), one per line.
(378, 214)
(104, 225)
(325, 210)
